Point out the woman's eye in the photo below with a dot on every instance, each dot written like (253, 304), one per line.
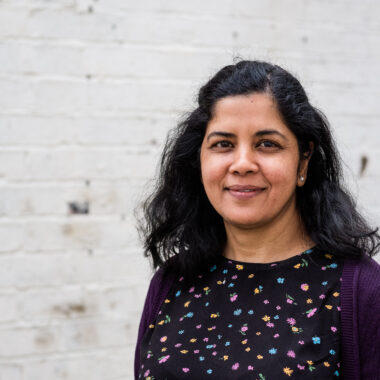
(268, 144)
(222, 144)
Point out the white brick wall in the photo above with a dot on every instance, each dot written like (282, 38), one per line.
(89, 89)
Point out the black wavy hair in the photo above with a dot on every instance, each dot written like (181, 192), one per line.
(181, 230)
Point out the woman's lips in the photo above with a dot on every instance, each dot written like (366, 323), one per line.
(245, 193)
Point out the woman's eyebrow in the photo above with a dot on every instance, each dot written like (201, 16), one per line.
(270, 132)
(223, 134)
(262, 132)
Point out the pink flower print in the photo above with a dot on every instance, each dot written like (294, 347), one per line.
(196, 351)
(233, 297)
(198, 326)
(266, 301)
(186, 370)
(338, 307)
(178, 345)
(234, 277)
(205, 339)
(333, 329)
(322, 296)
(181, 279)
(276, 335)
(323, 268)
(311, 312)
(291, 354)
(244, 328)
(163, 338)
(270, 324)
(181, 319)
(291, 321)
(305, 287)
(214, 353)
(146, 373)
(289, 300)
(235, 366)
(191, 289)
(301, 367)
(278, 307)
(163, 359)
(197, 295)
(301, 342)
(250, 368)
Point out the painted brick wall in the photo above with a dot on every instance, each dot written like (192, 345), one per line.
(89, 89)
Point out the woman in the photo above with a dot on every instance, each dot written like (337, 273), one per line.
(265, 268)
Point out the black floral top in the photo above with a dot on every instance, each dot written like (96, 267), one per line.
(250, 321)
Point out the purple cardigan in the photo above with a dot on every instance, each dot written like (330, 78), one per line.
(360, 317)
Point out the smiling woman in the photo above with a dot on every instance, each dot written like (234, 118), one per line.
(250, 174)
(265, 267)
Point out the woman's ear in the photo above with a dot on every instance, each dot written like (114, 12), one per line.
(303, 165)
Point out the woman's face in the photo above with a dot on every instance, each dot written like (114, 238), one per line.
(249, 161)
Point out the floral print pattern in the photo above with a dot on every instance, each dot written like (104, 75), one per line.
(250, 321)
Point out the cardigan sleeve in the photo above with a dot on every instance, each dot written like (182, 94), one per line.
(153, 291)
(157, 291)
(368, 307)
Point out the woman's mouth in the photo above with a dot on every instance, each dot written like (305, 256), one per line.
(244, 192)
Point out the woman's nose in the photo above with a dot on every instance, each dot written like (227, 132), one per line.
(244, 161)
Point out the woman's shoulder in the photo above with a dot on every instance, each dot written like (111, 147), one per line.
(364, 272)
(362, 278)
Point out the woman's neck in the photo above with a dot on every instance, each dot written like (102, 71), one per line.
(266, 244)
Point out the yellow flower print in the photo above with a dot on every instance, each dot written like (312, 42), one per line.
(184, 351)
(251, 275)
(297, 266)
(187, 303)
(167, 301)
(256, 291)
(151, 326)
(258, 333)
(225, 357)
(326, 364)
(288, 371)
(336, 294)
(244, 341)
(248, 349)
(309, 300)
(310, 362)
(294, 329)
(328, 256)
(265, 318)
(239, 267)
(260, 356)
(161, 322)
(163, 349)
(193, 340)
(328, 307)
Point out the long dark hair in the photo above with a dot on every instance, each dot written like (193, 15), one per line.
(183, 232)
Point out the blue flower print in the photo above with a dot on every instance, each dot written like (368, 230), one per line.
(316, 340)
(237, 312)
(280, 280)
(273, 351)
